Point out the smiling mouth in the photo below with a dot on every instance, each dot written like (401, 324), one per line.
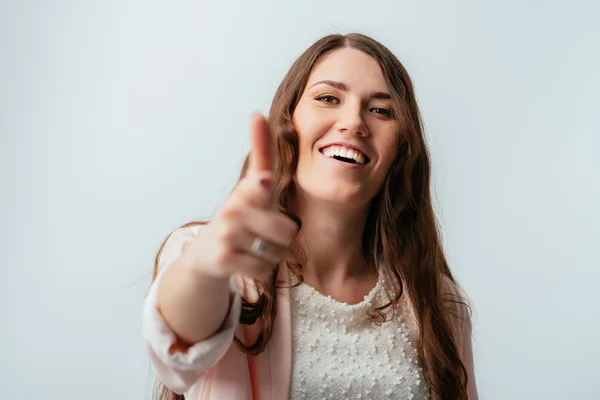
(344, 154)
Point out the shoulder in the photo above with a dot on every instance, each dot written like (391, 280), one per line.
(460, 319)
(458, 307)
(454, 296)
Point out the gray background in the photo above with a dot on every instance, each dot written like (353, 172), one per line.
(120, 120)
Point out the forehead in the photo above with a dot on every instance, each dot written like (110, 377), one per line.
(358, 70)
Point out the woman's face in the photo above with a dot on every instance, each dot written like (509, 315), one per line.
(347, 133)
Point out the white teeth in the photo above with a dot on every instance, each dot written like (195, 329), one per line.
(332, 151)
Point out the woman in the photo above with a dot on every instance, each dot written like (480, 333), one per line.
(324, 266)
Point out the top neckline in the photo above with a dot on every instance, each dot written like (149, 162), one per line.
(306, 291)
(367, 299)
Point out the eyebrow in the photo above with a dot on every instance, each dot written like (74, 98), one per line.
(342, 86)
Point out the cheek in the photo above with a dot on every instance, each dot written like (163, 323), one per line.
(309, 127)
(389, 151)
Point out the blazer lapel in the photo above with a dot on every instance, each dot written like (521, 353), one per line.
(280, 353)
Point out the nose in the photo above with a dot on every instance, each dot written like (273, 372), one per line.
(350, 120)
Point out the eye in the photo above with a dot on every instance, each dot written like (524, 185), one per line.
(327, 98)
(383, 111)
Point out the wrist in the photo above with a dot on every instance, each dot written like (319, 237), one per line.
(200, 272)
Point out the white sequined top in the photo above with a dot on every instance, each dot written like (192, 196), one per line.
(338, 354)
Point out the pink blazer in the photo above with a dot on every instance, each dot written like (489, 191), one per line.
(215, 369)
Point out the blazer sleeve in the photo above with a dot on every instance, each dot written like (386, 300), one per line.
(178, 367)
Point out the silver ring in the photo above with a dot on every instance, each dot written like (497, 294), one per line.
(258, 246)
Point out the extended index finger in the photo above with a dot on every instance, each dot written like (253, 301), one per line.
(261, 155)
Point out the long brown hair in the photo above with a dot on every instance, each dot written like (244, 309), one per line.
(401, 229)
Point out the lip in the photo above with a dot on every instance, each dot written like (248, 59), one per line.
(350, 146)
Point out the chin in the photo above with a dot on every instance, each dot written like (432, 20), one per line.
(337, 196)
(317, 189)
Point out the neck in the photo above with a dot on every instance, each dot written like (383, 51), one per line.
(331, 237)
